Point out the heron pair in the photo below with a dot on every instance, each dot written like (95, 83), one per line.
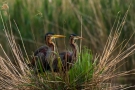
(49, 61)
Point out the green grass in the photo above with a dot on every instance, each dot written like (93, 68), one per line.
(89, 72)
(63, 17)
(78, 75)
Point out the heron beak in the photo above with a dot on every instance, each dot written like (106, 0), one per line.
(78, 37)
(58, 36)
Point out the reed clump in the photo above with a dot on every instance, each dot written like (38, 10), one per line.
(90, 72)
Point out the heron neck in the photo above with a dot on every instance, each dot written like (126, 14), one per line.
(51, 45)
(74, 49)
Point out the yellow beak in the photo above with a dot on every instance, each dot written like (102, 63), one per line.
(78, 37)
(58, 36)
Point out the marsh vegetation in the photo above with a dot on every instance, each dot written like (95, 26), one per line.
(106, 60)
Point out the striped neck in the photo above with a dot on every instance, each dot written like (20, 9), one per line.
(74, 47)
(50, 44)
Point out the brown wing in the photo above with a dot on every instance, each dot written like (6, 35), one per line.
(65, 59)
(40, 53)
(42, 49)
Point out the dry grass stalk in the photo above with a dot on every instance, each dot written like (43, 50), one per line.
(13, 75)
(105, 71)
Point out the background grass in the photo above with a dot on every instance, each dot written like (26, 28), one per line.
(36, 18)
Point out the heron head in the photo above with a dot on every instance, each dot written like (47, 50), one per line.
(49, 36)
(74, 36)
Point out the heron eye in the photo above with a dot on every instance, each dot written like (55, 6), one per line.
(48, 37)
